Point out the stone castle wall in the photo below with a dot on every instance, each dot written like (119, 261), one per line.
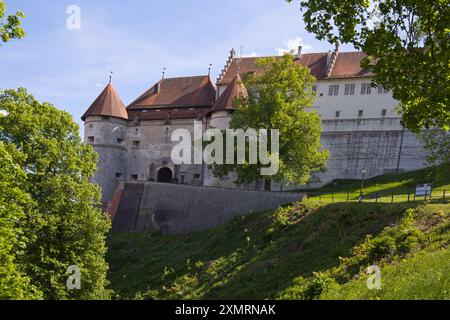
(174, 208)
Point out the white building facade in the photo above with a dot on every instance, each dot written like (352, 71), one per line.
(361, 128)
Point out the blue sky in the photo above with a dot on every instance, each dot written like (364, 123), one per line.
(137, 39)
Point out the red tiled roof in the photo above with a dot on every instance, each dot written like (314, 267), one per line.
(195, 91)
(162, 114)
(236, 89)
(347, 65)
(107, 103)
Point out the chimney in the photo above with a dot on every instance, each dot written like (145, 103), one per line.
(331, 59)
(330, 53)
(299, 52)
(157, 87)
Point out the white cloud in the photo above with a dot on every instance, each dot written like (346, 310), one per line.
(292, 46)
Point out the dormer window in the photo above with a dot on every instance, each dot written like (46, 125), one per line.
(91, 139)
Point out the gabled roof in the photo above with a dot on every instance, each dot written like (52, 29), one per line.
(348, 64)
(194, 91)
(107, 103)
(236, 89)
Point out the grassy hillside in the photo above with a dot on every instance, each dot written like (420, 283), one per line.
(293, 253)
(399, 185)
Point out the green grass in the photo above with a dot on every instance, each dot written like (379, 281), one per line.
(424, 276)
(310, 250)
(398, 185)
(275, 254)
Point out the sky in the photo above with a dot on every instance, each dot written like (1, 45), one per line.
(136, 39)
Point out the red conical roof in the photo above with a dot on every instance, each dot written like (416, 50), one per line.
(235, 89)
(108, 103)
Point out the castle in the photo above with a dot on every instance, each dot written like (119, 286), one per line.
(360, 126)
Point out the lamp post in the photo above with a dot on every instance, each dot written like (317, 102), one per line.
(363, 174)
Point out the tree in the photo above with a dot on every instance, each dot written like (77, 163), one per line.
(10, 26)
(61, 220)
(14, 283)
(437, 143)
(280, 97)
(408, 48)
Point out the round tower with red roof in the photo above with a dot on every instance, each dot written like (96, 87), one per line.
(105, 128)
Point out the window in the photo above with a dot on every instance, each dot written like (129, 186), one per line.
(333, 90)
(118, 175)
(366, 88)
(91, 139)
(314, 89)
(196, 176)
(91, 125)
(338, 114)
(382, 90)
(383, 112)
(360, 113)
(119, 140)
(349, 89)
(182, 179)
(134, 177)
(136, 143)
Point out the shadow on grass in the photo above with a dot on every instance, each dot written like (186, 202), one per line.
(251, 257)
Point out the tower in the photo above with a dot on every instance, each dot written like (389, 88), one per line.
(223, 108)
(105, 128)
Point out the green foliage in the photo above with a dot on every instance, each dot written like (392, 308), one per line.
(280, 97)
(437, 144)
(14, 283)
(393, 244)
(61, 220)
(407, 43)
(10, 26)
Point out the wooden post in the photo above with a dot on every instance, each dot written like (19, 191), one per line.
(347, 197)
(443, 195)
(392, 198)
(408, 197)
(332, 197)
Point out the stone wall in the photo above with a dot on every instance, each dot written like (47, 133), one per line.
(373, 144)
(170, 208)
